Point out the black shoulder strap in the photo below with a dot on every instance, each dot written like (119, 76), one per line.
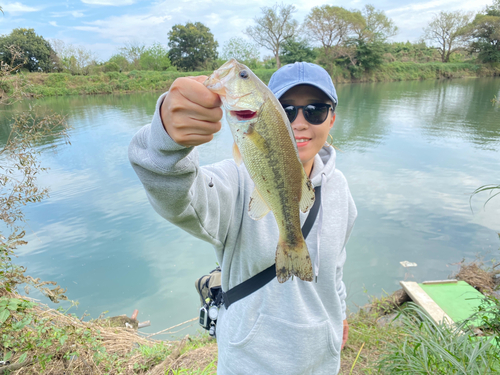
(256, 282)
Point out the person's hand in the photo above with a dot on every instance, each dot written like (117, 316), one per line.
(345, 334)
(190, 112)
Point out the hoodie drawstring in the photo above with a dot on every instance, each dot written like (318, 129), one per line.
(320, 226)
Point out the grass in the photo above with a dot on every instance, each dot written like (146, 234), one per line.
(63, 84)
(430, 348)
(369, 340)
(51, 340)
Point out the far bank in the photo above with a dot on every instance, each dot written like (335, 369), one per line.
(63, 84)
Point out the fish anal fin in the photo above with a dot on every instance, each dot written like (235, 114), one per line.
(307, 196)
(257, 208)
(293, 260)
(237, 154)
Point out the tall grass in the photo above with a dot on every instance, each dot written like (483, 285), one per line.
(431, 348)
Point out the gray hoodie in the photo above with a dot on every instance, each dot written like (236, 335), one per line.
(290, 328)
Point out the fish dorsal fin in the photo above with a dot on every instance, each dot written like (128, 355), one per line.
(237, 154)
(307, 197)
(257, 208)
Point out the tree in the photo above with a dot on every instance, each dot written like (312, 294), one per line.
(73, 59)
(448, 31)
(19, 169)
(155, 57)
(366, 56)
(132, 52)
(241, 50)
(297, 50)
(273, 28)
(39, 55)
(332, 26)
(192, 46)
(121, 61)
(378, 28)
(486, 34)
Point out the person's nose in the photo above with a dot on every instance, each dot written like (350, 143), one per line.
(300, 122)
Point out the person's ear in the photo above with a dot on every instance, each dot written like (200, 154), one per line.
(333, 120)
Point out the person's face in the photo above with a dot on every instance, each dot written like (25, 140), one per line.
(310, 138)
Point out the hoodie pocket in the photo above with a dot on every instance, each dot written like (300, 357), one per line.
(275, 346)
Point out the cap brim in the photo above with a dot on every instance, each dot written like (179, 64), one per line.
(280, 92)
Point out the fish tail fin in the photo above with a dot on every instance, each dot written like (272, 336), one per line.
(293, 260)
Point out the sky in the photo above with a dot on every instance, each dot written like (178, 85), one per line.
(103, 26)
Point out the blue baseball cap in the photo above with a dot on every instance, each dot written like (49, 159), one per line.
(302, 73)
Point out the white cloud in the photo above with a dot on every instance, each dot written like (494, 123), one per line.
(109, 2)
(411, 19)
(74, 13)
(53, 23)
(127, 28)
(17, 7)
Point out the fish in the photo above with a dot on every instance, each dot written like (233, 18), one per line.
(265, 143)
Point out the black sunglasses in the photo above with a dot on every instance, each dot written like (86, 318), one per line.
(314, 114)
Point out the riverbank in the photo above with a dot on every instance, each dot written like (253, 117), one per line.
(37, 339)
(62, 84)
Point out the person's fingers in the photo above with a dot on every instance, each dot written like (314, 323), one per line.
(200, 79)
(196, 127)
(194, 139)
(192, 89)
(345, 333)
(182, 110)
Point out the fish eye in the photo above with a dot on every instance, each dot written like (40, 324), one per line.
(244, 74)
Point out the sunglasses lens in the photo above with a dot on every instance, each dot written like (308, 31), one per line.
(291, 112)
(316, 113)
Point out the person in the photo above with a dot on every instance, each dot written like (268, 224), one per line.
(296, 327)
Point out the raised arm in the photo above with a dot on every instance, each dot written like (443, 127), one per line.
(165, 159)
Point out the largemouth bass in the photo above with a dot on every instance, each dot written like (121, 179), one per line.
(265, 142)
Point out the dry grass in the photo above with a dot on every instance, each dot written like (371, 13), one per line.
(63, 343)
(474, 274)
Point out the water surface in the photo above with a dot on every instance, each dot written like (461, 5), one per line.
(412, 152)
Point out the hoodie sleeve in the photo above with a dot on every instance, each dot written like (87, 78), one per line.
(341, 289)
(178, 188)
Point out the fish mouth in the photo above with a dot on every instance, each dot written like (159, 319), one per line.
(244, 115)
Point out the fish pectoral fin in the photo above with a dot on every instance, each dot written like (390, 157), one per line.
(258, 140)
(257, 208)
(237, 154)
(307, 197)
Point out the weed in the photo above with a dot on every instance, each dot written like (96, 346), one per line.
(431, 348)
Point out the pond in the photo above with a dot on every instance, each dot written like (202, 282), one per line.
(412, 152)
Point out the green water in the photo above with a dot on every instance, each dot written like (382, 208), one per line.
(412, 152)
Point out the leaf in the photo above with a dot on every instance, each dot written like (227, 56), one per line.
(4, 314)
(22, 358)
(7, 356)
(63, 339)
(14, 304)
(3, 303)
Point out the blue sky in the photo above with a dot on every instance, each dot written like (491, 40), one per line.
(103, 26)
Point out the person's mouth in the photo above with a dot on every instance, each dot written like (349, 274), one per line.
(301, 142)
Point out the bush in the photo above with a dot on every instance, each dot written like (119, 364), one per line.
(111, 67)
(113, 75)
(5, 87)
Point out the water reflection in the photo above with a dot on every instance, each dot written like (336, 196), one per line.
(411, 151)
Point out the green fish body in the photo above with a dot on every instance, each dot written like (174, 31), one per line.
(264, 141)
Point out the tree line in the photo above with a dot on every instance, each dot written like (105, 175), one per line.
(333, 36)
